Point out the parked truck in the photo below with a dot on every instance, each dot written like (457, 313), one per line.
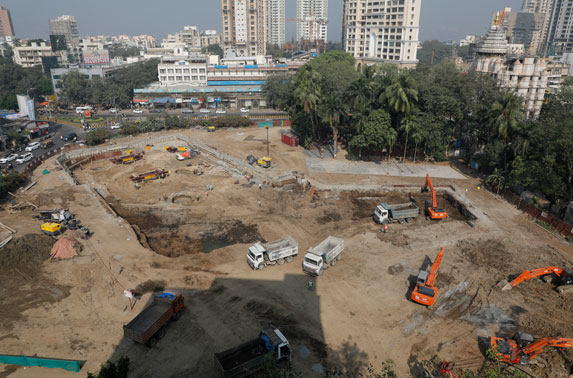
(249, 357)
(149, 326)
(323, 255)
(402, 212)
(279, 251)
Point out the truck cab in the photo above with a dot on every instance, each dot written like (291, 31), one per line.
(313, 264)
(380, 215)
(255, 256)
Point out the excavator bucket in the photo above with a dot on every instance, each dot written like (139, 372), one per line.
(504, 285)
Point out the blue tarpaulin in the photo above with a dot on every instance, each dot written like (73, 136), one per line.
(167, 295)
(172, 101)
(69, 365)
(267, 342)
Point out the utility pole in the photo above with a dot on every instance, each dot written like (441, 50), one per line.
(268, 154)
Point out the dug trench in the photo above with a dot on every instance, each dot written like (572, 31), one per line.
(175, 233)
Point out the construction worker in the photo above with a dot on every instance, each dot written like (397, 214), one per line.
(260, 205)
(197, 197)
(385, 228)
(260, 186)
(310, 283)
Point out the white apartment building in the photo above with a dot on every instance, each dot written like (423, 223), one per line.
(312, 16)
(30, 56)
(188, 71)
(210, 37)
(377, 31)
(275, 22)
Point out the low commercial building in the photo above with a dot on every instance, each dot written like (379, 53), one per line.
(188, 71)
(88, 73)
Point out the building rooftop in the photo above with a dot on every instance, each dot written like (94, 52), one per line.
(495, 41)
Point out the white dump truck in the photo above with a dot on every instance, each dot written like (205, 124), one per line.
(323, 255)
(403, 212)
(276, 252)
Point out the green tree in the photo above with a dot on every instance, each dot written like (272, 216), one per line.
(408, 125)
(331, 110)
(74, 88)
(308, 92)
(505, 115)
(402, 94)
(213, 49)
(496, 180)
(278, 89)
(372, 132)
(97, 136)
(113, 370)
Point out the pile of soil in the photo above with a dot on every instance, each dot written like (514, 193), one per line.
(23, 285)
(150, 286)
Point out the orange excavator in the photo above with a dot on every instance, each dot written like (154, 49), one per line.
(425, 292)
(523, 348)
(564, 280)
(431, 207)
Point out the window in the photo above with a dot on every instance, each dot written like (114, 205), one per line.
(171, 78)
(162, 70)
(194, 77)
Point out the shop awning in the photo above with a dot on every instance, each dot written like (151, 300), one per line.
(161, 100)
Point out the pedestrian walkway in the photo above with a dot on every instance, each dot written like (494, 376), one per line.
(382, 168)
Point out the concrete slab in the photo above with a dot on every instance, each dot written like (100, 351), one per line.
(382, 168)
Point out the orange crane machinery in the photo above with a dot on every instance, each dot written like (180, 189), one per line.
(425, 292)
(522, 348)
(564, 281)
(432, 209)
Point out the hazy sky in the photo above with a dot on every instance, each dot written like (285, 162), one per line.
(441, 19)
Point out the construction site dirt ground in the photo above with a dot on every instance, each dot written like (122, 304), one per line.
(359, 312)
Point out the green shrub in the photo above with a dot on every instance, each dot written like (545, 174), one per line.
(113, 370)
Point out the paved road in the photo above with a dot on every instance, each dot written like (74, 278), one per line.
(56, 131)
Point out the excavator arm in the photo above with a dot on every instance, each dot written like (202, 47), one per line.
(537, 347)
(428, 184)
(435, 266)
(528, 274)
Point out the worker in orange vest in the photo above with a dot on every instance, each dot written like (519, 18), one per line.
(385, 228)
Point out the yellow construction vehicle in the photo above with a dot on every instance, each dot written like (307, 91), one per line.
(264, 162)
(52, 229)
(211, 129)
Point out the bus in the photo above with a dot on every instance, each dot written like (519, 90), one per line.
(81, 109)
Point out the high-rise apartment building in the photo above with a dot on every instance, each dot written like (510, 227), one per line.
(559, 38)
(66, 26)
(542, 9)
(243, 24)
(312, 16)
(376, 31)
(275, 24)
(6, 26)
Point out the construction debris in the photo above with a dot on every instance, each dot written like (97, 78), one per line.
(127, 159)
(65, 248)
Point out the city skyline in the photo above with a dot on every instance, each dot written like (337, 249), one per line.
(440, 19)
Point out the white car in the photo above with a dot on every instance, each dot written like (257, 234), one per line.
(221, 111)
(138, 111)
(32, 146)
(24, 158)
(115, 126)
(113, 110)
(9, 158)
(203, 110)
(244, 110)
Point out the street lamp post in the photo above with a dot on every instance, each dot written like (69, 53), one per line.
(268, 155)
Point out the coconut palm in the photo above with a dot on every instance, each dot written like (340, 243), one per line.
(308, 92)
(401, 94)
(505, 115)
(390, 136)
(359, 94)
(496, 179)
(331, 109)
(408, 124)
(418, 137)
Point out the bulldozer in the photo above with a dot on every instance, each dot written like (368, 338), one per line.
(264, 162)
(52, 229)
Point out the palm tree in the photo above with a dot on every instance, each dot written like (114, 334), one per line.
(402, 94)
(390, 136)
(496, 179)
(408, 124)
(332, 108)
(418, 135)
(505, 115)
(308, 92)
(359, 94)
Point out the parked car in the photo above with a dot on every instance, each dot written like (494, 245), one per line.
(138, 111)
(113, 110)
(188, 111)
(69, 137)
(154, 110)
(9, 158)
(115, 126)
(245, 110)
(24, 158)
(204, 110)
(32, 146)
(221, 111)
(47, 144)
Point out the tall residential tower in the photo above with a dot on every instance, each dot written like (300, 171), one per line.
(376, 31)
(6, 26)
(312, 16)
(243, 24)
(275, 14)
